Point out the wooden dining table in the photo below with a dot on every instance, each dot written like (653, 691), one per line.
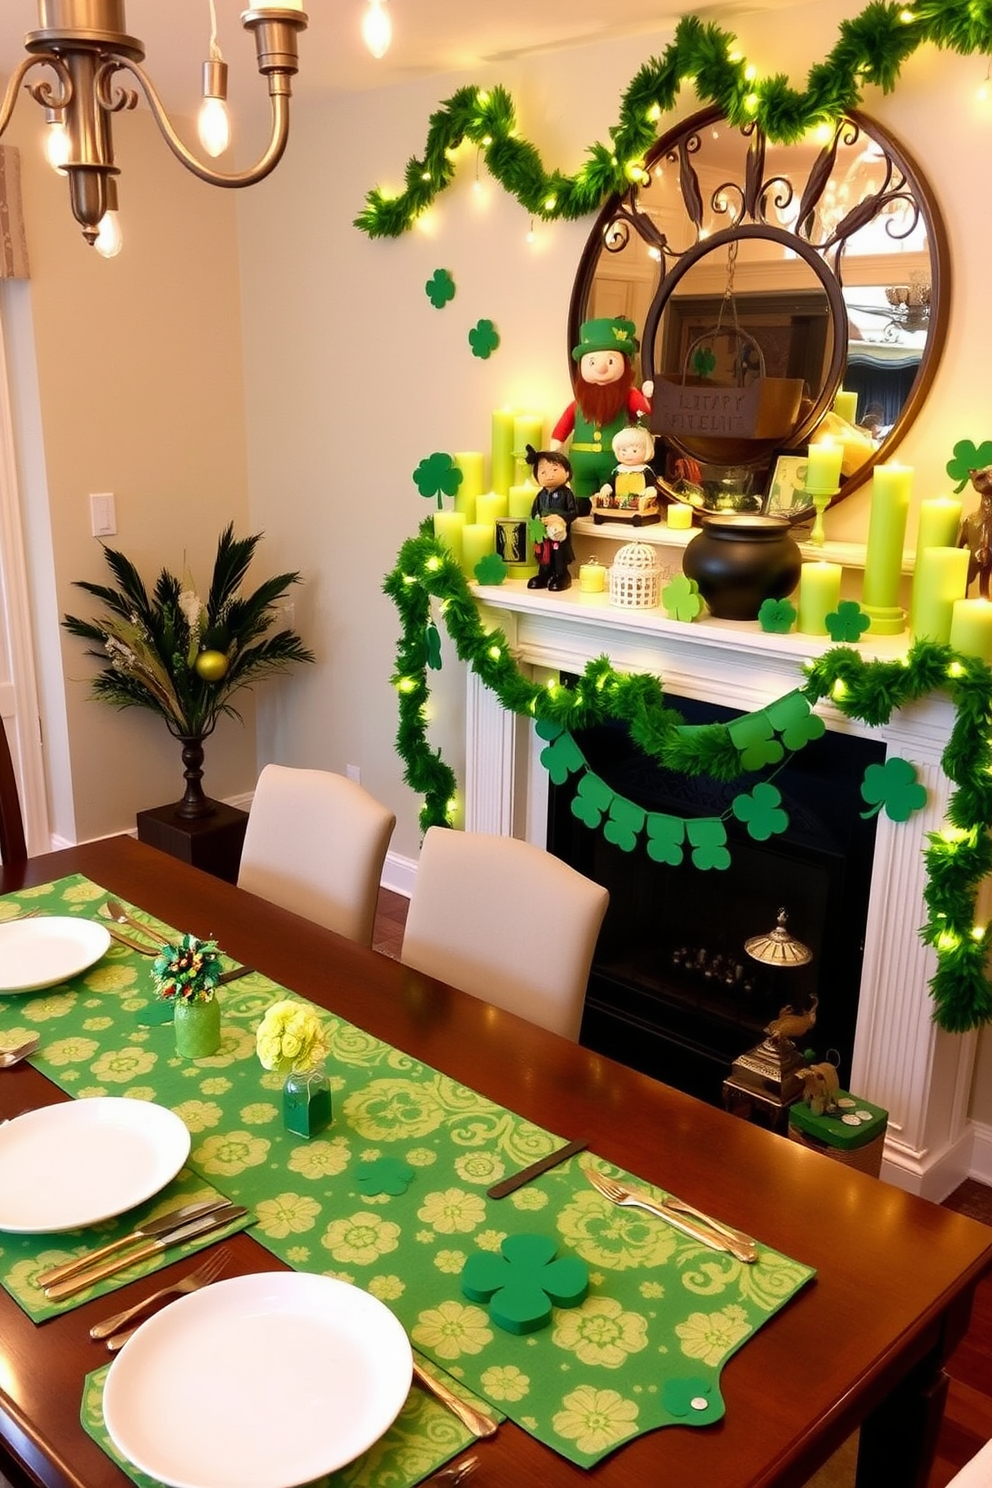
(862, 1345)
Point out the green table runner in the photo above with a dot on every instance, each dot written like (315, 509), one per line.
(393, 1197)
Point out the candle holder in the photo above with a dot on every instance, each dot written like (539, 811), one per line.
(821, 499)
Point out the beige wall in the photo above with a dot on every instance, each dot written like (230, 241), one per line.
(139, 391)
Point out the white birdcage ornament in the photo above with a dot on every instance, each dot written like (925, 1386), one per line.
(635, 577)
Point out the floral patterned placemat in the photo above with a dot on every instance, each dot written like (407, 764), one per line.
(392, 1196)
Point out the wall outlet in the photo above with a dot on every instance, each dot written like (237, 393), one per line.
(354, 773)
(103, 514)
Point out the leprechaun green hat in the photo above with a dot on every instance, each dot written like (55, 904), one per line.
(616, 334)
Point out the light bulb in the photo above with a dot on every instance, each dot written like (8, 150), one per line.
(56, 140)
(109, 238)
(377, 28)
(214, 126)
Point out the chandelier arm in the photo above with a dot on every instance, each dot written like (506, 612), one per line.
(257, 172)
(17, 78)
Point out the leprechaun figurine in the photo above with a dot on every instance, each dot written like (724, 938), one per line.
(556, 509)
(605, 401)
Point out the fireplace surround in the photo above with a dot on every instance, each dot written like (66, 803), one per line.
(900, 1059)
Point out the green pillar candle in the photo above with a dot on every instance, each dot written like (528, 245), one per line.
(819, 596)
(941, 577)
(478, 539)
(940, 523)
(472, 466)
(890, 491)
(971, 628)
(521, 499)
(846, 406)
(448, 528)
(528, 429)
(502, 462)
(490, 506)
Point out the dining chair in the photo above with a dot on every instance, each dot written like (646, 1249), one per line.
(315, 844)
(507, 922)
(976, 1473)
(13, 848)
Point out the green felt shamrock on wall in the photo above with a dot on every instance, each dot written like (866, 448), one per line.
(847, 623)
(777, 616)
(440, 288)
(966, 458)
(438, 476)
(483, 339)
(893, 785)
(681, 598)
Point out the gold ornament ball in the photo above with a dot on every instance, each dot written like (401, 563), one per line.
(211, 665)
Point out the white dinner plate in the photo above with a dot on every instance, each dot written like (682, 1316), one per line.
(63, 1167)
(261, 1381)
(43, 952)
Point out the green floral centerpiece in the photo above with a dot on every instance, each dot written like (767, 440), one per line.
(291, 1040)
(186, 974)
(184, 657)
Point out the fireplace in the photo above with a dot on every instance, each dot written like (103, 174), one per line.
(672, 991)
(899, 1059)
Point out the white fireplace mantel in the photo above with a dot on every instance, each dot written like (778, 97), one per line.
(902, 1062)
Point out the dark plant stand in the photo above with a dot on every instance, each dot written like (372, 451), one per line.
(211, 842)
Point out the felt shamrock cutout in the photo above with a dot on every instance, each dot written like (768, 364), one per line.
(793, 718)
(848, 622)
(432, 646)
(491, 569)
(966, 458)
(592, 800)
(665, 837)
(483, 339)
(681, 598)
(754, 737)
(893, 785)
(547, 728)
(704, 361)
(562, 758)
(440, 288)
(691, 1396)
(438, 476)
(777, 616)
(523, 1282)
(386, 1175)
(761, 811)
(625, 822)
(708, 839)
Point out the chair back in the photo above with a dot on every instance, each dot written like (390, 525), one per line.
(507, 922)
(315, 844)
(13, 848)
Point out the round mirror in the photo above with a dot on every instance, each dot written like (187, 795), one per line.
(781, 293)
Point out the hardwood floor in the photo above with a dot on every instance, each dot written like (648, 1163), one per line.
(967, 1424)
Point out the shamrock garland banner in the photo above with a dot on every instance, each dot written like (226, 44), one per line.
(957, 858)
(870, 50)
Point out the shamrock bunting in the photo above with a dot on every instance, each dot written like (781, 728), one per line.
(848, 622)
(708, 840)
(625, 824)
(893, 785)
(761, 812)
(592, 800)
(666, 835)
(438, 476)
(792, 718)
(966, 458)
(754, 736)
(483, 339)
(440, 288)
(563, 756)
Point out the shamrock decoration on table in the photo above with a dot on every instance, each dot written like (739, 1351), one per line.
(848, 622)
(761, 811)
(777, 616)
(681, 598)
(966, 458)
(483, 339)
(523, 1282)
(384, 1175)
(440, 288)
(893, 785)
(438, 476)
(491, 569)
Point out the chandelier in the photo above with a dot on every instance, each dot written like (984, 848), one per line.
(86, 45)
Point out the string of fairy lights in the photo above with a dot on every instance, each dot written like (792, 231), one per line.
(870, 51)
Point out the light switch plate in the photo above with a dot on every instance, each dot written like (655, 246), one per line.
(103, 514)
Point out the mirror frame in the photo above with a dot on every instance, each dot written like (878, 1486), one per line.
(621, 215)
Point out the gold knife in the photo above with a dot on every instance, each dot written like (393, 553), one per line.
(205, 1225)
(149, 1227)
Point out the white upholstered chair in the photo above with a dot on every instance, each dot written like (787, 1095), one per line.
(507, 922)
(977, 1473)
(315, 844)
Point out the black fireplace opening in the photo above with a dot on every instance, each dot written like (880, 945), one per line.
(672, 991)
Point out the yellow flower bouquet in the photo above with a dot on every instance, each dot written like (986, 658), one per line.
(290, 1038)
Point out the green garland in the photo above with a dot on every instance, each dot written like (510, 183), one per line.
(957, 858)
(870, 50)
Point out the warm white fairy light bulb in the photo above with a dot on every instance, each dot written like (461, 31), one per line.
(56, 139)
(377, 28)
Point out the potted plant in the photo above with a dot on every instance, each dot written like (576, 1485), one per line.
(183, 657)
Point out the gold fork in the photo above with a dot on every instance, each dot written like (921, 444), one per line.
(201, 1277)
(627, 1198)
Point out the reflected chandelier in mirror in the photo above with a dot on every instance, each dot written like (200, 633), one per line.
(781, 292)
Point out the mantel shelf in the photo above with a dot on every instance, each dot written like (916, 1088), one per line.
(848, 555)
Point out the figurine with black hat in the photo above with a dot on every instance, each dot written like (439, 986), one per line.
(556, 509)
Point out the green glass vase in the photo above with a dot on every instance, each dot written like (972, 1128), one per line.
(306, 1101)
(197, 1026)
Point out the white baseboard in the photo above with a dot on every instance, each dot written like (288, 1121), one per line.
(398, 874)
(981, 1153)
